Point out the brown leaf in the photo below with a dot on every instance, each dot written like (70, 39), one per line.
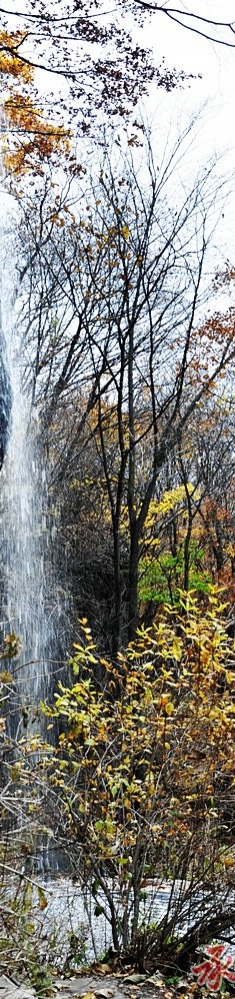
(102, 969)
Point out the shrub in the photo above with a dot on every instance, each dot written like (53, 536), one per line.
(142, 783)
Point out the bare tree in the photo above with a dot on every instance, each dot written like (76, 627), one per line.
(113, 337)
(106, 70)
(221, 32)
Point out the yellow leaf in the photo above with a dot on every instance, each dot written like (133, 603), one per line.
(169, 708)
(42, 898)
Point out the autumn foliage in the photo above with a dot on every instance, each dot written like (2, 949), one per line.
(11, 63)
(36, 141)
(143, 779)
(29, 140)
(135, 785)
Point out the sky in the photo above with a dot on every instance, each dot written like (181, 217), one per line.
(215, 63)
(213, 94)
(184, 50)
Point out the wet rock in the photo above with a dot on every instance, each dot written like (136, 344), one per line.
(103, 993)
(87, 987)
(9, 990)
(135, 979)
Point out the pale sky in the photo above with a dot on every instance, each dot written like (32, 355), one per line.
(215, 92)
(216, 63)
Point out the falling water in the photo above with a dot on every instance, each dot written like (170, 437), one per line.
(30, 603)
(25, 581)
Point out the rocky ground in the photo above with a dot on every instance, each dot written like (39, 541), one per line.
(93, 986)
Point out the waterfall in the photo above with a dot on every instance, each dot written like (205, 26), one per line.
(30, 600)
(5, 398)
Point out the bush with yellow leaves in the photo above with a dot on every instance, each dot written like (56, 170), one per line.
(142, 783)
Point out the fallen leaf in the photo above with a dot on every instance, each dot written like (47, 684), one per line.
(102, 969)
(157, 980)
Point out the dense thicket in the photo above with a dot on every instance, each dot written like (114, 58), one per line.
(127, 379)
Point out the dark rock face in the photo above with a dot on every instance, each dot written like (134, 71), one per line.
(5, 404)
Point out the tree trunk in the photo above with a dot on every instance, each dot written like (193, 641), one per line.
(133, 583)
(117, 624)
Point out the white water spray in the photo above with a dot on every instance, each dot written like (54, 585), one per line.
(28, 605)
